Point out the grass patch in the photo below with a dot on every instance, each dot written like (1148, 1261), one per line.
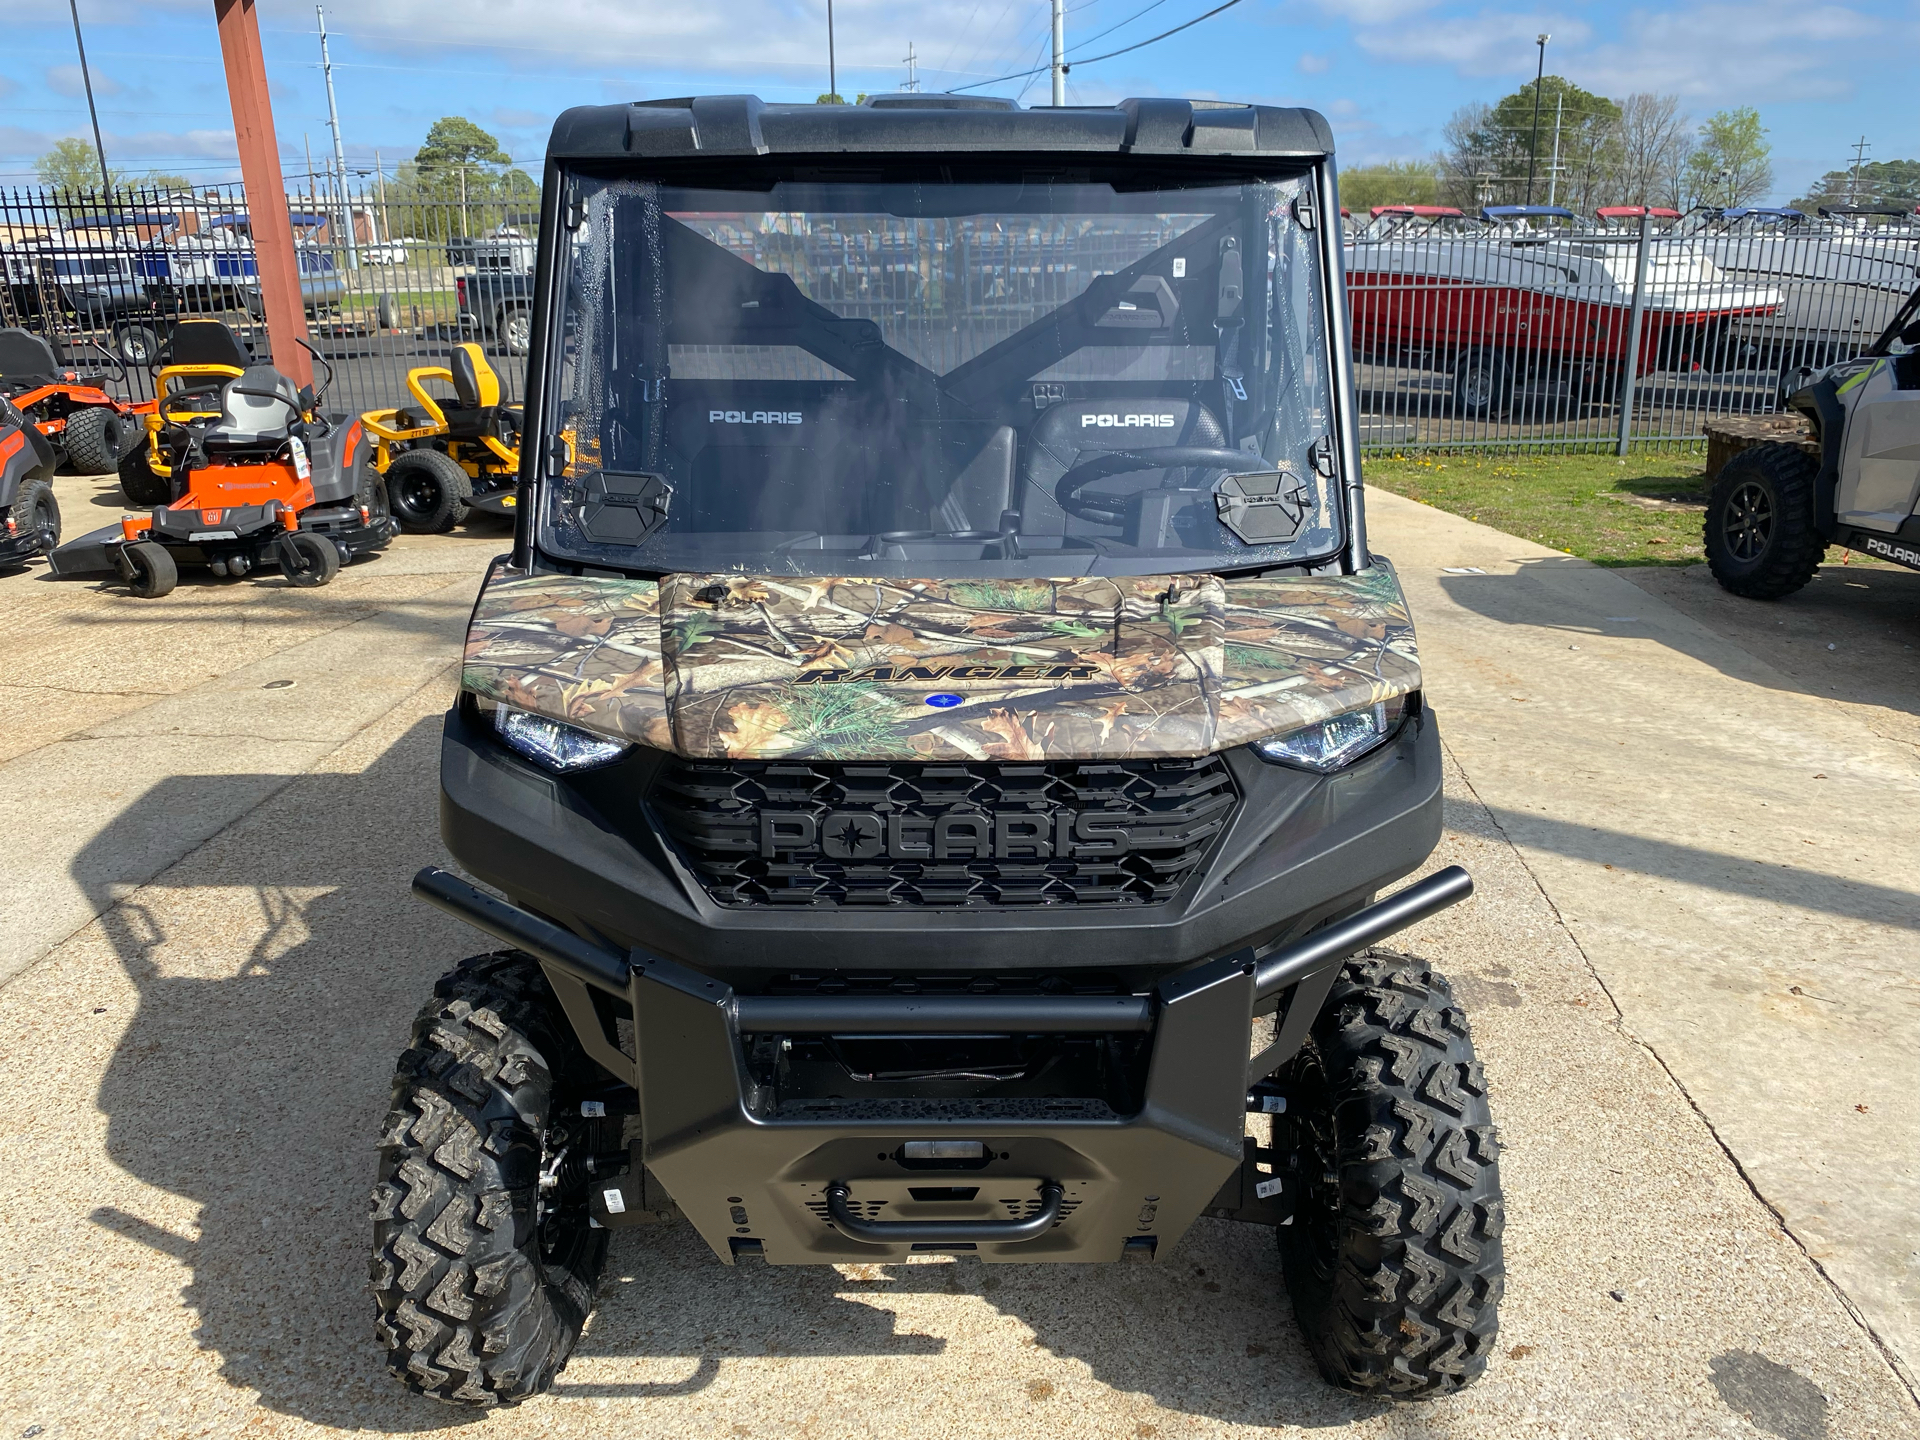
(1640, 510)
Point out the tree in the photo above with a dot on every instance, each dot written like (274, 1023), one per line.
(456, 140)
(1887, 183)
(1396, 182)
(72, 164)
(1654, 144)
(1491, 148)
(1731, 165)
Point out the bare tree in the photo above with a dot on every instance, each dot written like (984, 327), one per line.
(1654, 141)
(1473, 156)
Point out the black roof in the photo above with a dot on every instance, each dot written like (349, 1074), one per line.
(934, 123)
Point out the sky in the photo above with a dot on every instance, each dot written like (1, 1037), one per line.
(1387, 73)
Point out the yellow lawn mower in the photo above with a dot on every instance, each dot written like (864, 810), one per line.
(442, 457)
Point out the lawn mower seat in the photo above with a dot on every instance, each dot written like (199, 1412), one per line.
(25, 356)
(1080, 429)
(476, 410)
(198, 343)
(260, 410)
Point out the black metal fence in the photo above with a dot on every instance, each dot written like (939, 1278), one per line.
(389, 281)
(1468, 334)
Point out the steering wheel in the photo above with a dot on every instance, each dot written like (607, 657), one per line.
(1066, 493)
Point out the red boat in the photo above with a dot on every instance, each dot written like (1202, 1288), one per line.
(1511, 316)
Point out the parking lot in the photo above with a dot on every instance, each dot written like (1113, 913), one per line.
(1690, 965)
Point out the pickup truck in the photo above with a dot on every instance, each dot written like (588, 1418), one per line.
(499, 305)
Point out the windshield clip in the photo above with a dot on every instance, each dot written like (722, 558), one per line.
(1237, 385)
(1303, 210)
(1047, 393)
(1322, 454)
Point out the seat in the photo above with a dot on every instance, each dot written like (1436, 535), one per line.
(24, 356)
(198, 344)
(259, 412)
(1077, 430)
(476, 409)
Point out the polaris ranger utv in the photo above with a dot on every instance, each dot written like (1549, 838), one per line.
(1775, 508)
(940, 735)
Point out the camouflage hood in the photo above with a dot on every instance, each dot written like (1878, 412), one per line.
(764, 667)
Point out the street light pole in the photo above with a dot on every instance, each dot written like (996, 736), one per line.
(86, 79)
(339, 149)
(1533, 145)
(1059, 66)
(833, 77)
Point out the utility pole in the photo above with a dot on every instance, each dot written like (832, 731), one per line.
(86, 79)
(1059, 66)
(339, 150)
(833, 75)
(1553, 170)
(1853, 181)
(913, 68)
(1533, 145)
(380, 184)
(267, 218)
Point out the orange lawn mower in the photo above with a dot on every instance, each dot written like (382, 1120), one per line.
(242, 470)
(88, 428)
(445, 456)
(29, 515)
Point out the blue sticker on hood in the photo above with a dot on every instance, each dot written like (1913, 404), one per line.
(943, 701)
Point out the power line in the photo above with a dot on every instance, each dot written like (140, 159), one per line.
(1111, 54)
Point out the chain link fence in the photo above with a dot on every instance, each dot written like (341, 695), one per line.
(1539, 331)
(389, 283)
(1542, 332)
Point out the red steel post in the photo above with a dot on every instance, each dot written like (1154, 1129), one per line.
(267, 217)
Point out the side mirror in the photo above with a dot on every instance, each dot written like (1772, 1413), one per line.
(307, 400)
(1911, 335)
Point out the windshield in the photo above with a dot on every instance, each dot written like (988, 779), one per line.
(934, 379)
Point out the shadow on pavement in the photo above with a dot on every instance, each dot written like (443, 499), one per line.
(253, 1077)
(1869, 615)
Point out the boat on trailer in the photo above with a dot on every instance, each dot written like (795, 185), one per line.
(1539, 319)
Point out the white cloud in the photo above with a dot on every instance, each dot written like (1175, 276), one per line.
(1490, 43)
(67, 80)
(1373, 12)
(1314, 64)
(1771, 50)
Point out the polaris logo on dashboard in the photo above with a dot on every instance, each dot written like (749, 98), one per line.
(753, 417)
(1128, 422)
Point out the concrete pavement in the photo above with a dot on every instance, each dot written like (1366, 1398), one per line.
(1730, 843)
(191, 1074)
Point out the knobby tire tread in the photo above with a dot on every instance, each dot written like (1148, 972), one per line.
(469, 1311)
(1797, 547)
(1398, 1289)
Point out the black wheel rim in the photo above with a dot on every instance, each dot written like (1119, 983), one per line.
(1748, 521)
(413, 494)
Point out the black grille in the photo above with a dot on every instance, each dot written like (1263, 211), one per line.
(988, 834)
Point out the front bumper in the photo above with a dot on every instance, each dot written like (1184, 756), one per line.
(798, 1178)
(1300, 848)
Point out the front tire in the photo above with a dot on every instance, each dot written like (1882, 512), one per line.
(307, 559)
(483, 1276)
(429, 492)
(151, 572)
(514, 326)
(1761, 538)
(1394, 1257)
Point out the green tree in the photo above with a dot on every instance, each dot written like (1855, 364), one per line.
(1491, 148)
(456, 140)
(459, 182)
(72, 164)
(1394, 182)
(1889, 183)
(1731, 164)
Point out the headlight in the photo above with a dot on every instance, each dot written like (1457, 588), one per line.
(1329, 744)
(552, 744)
